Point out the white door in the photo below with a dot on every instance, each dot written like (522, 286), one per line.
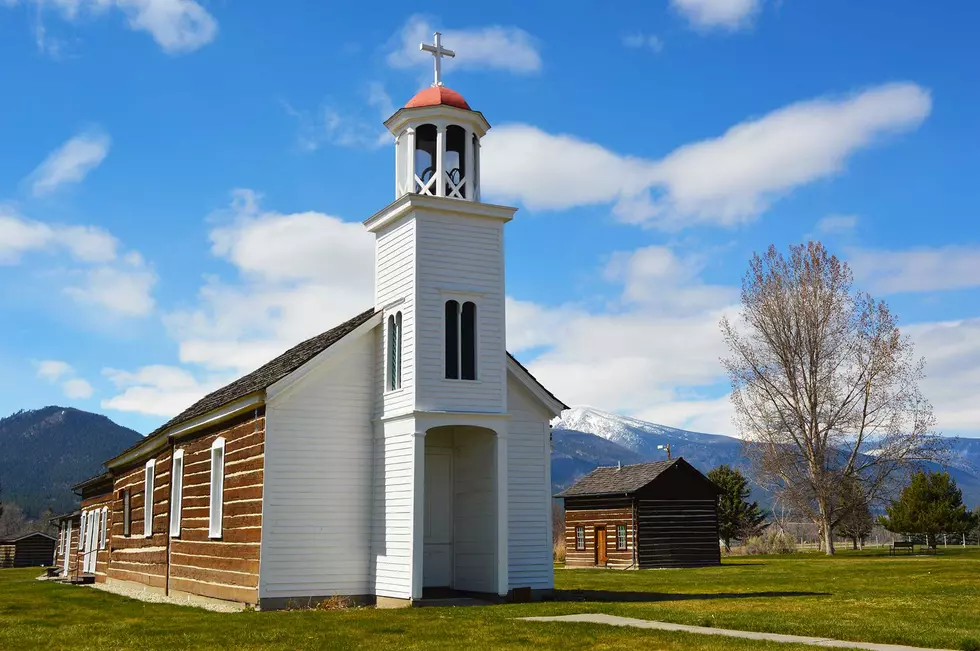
(437, 564)
(67, 546)
(90, 537)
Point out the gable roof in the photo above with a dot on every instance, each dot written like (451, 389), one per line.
(606, 480)
(273, 371)
(9, 541)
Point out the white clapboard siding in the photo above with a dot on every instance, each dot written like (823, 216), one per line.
(391, 512)
(475, 509)
(395, 287)
(317, 501)
(461, 255)
(529, 491)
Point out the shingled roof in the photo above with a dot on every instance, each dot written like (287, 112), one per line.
(270, 373)
(606, 480)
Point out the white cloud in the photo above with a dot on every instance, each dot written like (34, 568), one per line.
(837, 224)
(71, 162)
(177, 26)
(299, 274)
(357, 127)
(639, 40)
(117, 284)
(156, 390)
(952, 384)
(730, 15)
(19, 236)
(493, 47)
(725, 180)
(653, 353)
(53, 370)
(77, 389)
(916, 270)
(124, 290)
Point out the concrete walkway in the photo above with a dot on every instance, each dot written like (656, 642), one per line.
(613, 620)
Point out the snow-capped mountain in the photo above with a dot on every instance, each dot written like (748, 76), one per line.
(584, 438)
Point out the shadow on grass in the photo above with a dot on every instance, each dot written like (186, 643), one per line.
(613, 596)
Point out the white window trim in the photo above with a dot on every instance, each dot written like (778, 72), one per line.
(176, 492)
(149, 485)
(103, 534)
(216, 503)
(394, 322)
(461, 299)
(82, 528)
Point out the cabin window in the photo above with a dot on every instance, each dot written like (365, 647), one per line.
(176, 492)
(460, 340)
(127, 513)
(580, 538)
(217, 487)
(621, 536)
(83, 529)
(61, 539)
(395, 351)
(104, 528)
(148, 485)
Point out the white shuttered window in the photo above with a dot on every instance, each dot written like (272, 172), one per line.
(217, 487)
(176, 492)
(148, 486)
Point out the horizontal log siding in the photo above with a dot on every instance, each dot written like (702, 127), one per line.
(134, 557)
(677, 533)
(610, 518)
(101, 555)
(225, 568)
(33, 551)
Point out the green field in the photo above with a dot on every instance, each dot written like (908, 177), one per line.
(922, 601)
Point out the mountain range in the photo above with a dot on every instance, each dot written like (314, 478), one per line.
(44, 452)
(584, 438)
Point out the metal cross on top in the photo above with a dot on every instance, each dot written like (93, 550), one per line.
(437, 52)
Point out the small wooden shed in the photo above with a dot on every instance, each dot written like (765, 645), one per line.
(31, 550)
(647, 515)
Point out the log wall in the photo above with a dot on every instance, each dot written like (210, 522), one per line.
(590, 513)
(678, 533)
(224, 568)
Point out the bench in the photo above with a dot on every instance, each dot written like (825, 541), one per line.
(901, 545)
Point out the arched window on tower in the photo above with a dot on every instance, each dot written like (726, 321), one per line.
(425, 159)
(455, 162)
(461, 337)
(394, 380)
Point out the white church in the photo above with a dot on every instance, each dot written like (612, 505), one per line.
(401, 454)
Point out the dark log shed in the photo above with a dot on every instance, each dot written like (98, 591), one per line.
(30, 550)
(647, 515)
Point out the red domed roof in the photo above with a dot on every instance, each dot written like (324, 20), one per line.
(436, 95)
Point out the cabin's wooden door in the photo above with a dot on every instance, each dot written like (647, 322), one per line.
(600, 546)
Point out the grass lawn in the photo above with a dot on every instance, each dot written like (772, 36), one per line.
(932, 602)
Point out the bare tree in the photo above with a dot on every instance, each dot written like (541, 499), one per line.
(824, 386)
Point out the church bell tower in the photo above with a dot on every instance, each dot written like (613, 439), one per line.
(439, 266)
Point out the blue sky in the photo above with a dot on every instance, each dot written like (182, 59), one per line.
(182, 184)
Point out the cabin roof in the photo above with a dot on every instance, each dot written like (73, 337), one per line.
(608, 480)
(8, 541)
(94, 481)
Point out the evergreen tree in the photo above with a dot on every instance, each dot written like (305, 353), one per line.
(855, 521)
(737, 517)
(931, 504)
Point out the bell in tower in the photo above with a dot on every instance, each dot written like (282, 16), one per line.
(437, 140)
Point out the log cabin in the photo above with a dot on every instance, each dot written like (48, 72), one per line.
(647, 515)
(400, 454)
(34, 549)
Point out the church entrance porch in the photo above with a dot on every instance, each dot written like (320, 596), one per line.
(460, 512)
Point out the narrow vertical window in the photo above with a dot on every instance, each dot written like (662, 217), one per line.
(148, 485)
(103, 533)
(621, 536)
(83, 529)
(452, 340)
(176, 491)
(217, 487)
(395, 351)
(579, 538)
(127, 512)
(468, 342)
